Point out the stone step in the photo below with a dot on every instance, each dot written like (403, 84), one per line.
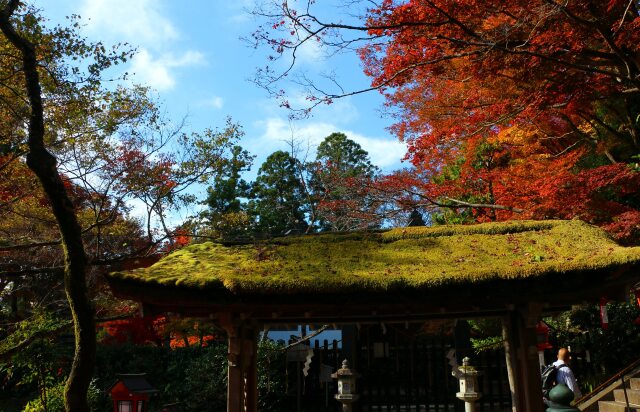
(633, 396)
(635, 383)
(610, 406)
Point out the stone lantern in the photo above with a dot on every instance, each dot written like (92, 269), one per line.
(468, 376)
(346, 386)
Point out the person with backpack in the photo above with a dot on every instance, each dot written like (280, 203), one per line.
(559, 372)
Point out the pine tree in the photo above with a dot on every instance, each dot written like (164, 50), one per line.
(226, 216)
(276, 207)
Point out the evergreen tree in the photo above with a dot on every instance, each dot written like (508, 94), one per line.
(344, 156)
(226, 215)
(276, 207)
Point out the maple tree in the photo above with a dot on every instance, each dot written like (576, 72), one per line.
(157, 330)
(340, 181)
(509, 110)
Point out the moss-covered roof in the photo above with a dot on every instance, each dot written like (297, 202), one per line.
(404, 258)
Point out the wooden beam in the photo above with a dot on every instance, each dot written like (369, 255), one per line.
(560, 291)
(491, 301)
(522, 356)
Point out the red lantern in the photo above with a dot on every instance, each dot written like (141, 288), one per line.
(542, 335)
(604, 316)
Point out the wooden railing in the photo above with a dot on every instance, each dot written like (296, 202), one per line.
(609, 383)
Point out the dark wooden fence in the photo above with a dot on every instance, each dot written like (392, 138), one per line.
(401, 371)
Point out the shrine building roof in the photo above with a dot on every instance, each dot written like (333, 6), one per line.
(378, 262)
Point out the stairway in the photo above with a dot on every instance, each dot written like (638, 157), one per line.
(619, 403)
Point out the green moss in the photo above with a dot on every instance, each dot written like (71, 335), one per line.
(384, 260)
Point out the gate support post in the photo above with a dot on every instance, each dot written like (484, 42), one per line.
(522, 356)
(250, 366)
(242, 382)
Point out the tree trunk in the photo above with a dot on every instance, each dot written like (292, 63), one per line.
(43, 164)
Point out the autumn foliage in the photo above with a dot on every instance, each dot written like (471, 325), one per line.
(530, 106)
(510, 110)
(136, 330)
(156, 330)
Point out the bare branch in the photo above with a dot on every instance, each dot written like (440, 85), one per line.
(459, 203)
(306, 338)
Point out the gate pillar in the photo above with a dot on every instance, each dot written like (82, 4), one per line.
(242, 382)
(522, 358)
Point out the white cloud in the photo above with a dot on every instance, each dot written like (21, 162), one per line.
(240, 11)
(342, 111)
(310, 53)
(145, 25)
(215, 102)
(384, 152)
(135, 21)
(156, 72)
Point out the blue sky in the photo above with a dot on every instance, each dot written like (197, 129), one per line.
(192, 55)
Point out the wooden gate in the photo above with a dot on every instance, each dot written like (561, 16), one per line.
(402, 370)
